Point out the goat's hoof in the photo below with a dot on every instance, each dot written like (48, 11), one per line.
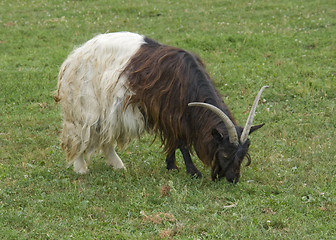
(172, 168)
(196, 174)
(82, 171)
(122, 168)
(80, 168)
(116, 165)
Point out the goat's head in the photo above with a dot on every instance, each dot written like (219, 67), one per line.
(231, 149)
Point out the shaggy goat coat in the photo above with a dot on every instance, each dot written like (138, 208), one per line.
(117, 85)
(94, 94)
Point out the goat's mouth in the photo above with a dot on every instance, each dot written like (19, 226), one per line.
(233, 180)
(229, 174)
(232, 174)
(229, 170)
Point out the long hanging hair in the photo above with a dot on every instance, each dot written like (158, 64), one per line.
(165, 79)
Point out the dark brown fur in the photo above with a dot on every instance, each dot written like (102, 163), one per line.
(165, 79)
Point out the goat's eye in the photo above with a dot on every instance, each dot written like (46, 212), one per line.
(222, 155)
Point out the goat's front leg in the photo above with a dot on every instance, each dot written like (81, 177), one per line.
(191, 169)
(171, 162)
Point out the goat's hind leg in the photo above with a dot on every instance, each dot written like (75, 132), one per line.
(112, 158)
(80, 165)
(191, 169)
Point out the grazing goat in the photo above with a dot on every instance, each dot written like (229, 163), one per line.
(118, 85)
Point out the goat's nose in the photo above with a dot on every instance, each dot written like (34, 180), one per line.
(233, 180)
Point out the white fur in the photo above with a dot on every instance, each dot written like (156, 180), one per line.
(93, 94)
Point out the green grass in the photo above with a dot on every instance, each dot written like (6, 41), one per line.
(289, 190)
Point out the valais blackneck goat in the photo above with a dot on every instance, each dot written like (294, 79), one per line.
(118, 85)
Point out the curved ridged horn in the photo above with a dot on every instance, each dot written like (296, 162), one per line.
(233, 136)
(249, 120)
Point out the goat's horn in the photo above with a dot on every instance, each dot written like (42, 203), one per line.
(249, 120)
(233, 136)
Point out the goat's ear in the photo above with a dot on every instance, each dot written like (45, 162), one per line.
(216, 135)
(256, 127)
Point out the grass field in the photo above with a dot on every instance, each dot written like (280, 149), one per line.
(289, 190)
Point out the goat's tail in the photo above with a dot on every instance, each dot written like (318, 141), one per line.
(56, 97)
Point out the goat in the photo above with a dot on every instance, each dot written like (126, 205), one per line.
(116, 86)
